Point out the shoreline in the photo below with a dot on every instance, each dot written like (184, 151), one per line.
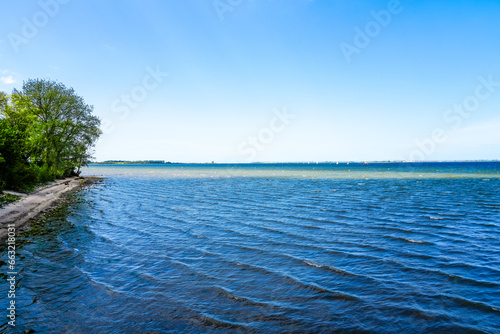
(31, 206)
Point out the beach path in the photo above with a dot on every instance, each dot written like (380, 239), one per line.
(31, 206)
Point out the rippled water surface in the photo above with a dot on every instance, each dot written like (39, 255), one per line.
(269, 248)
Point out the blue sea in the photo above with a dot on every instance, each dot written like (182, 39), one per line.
(268, 248)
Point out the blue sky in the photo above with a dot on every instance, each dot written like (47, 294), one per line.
(269, 80)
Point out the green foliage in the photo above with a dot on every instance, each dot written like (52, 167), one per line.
(43, 173)
(7, 198)
(46, 131)
(15, 169)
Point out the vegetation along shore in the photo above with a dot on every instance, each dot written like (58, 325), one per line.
(47, 133)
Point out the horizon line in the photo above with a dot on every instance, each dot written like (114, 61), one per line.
(152, 161)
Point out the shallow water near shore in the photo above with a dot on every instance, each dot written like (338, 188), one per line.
(269, 248)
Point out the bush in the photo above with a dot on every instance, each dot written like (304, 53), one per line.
(21, 177)
(43, 174)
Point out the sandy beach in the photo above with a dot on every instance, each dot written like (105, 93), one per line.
(33, 205)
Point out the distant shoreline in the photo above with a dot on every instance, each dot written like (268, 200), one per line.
(162, 162)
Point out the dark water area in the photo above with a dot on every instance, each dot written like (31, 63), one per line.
(383, 248)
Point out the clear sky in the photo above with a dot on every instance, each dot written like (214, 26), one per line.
(269, 80)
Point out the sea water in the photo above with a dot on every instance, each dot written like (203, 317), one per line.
(316, 248)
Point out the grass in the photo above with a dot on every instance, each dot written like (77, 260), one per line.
(7, 198)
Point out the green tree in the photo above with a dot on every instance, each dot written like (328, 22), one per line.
(15, 167)
(66, 131)
(46, 131)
